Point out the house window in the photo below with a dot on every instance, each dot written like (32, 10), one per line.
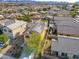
(76, 56)
(10, 51)
(64, 54)
(55, 53)
(10, 31)
(1, 31)
(5, 30)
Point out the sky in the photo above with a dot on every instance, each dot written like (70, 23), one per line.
(60, 0)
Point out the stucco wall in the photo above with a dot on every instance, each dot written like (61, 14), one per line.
(19, 30)
(66, 45)
(15, 32)
(9, 34)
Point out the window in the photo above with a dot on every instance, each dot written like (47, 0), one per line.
(55, 53)
(64, 54)
(1, 31)
(14, 48)
(76, 56)
(10, 31)
(10, 51)
(5, 30)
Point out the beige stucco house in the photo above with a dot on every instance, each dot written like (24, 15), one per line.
(14, 28)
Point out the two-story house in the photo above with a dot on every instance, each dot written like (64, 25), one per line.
(13, 28)
(67, 46)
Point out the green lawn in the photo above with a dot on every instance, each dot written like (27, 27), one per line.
(3, 38)
(45, 21)
(35, 42)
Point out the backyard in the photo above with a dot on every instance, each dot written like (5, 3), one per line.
(3, 38)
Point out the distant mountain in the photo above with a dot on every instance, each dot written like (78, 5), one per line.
(77, 3)
(36, 2)
(17, 0)
(1, 0)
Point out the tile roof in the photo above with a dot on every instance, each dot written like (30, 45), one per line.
(16, 24)
(36, 27)
(6, 22)
(12, 24)
(67, 25)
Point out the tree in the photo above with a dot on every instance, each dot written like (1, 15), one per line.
(73, 13)
(25, 18)
(45, 9)
(64, 6)
(3, 38)
(39, 10)
(75, 5)
(55, 14)
(49, 8)
(35, 42)
(58, 6)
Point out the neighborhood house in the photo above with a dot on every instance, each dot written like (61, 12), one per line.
(13, 28)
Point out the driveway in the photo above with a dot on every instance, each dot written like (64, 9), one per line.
(2, 56)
